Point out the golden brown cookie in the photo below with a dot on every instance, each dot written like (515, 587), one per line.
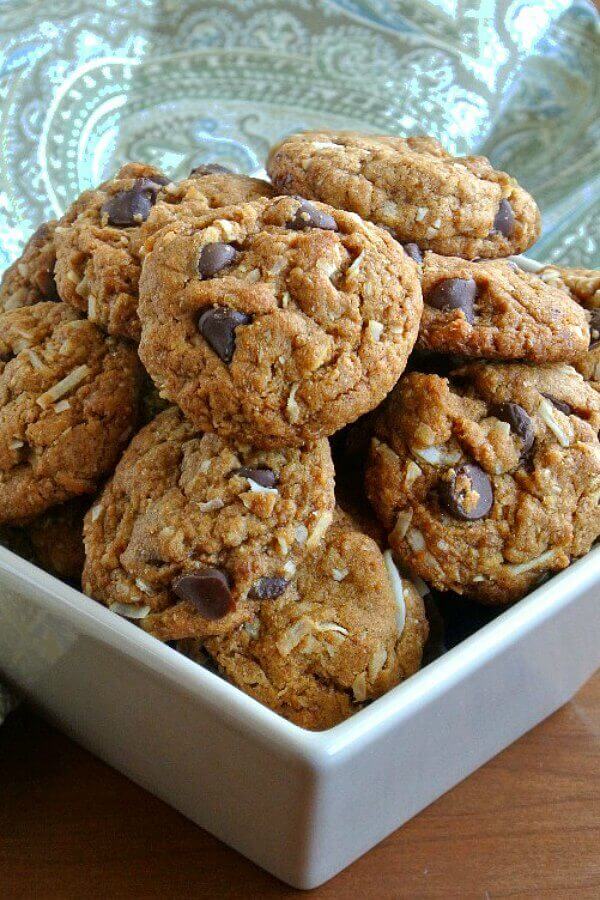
(190, 534)
(202, 192)
(30, 279)
(457, 206)
(583, 286)
(493, 309)
(276, 322)
(98, 248)
(69, 400)
(56, 539)
(347, 629)
(488, 481)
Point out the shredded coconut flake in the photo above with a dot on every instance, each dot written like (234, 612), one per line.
(204, 466)
(397, 588)
(34, 359)
(437, 456)
(415, 539)
(421, 213)
(62, 406)
(292, 408)
(290, 568)
(259, 488)
(208, 505)
(293, 635)
(536, 563)
(413, 471)
(375, 329)
(16, 445)
(359, 687)
(323, 523)
(354, 267)
(143, 586)
(96, 512)
(301, 533)
(62, 387)
(332, 626)
(339, 574)
(547, 414)
(403, 521)
(324, 145)
(129, 610)
(253, 276)
(376, 663)
(252, 629)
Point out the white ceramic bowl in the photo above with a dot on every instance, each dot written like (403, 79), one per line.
(300, 804)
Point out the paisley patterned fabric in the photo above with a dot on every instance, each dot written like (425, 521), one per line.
(87, 85)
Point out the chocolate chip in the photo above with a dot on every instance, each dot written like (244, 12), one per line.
(217, 326)
(414, 252)
(157, 179)
(559, 404)
(210, 169)
(127, 208)
(214, 257)
(308, 216)
(468, 494)
(208, 590)
(594, 321)
(268, 588)
(263, 476)
(504, 223)
(454, 293)
(520, 422)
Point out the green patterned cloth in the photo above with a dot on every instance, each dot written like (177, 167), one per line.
(85, 86)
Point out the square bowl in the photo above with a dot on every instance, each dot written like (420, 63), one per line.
(302, 805)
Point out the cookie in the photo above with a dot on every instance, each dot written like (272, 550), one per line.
(276, 322)
(200, 193)
(489, 480)
(98, 248)
(583, 286)
(190, 534)
(30, 279)
(68, 404)
(346, 630)
(456, 206)
(493, 309)
(56, 539)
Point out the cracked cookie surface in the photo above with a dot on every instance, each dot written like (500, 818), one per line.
(190, 534)
(490, 480)
(456, 206)
(341, 634)
(494, 310)
(68, 404)
(30, 279)
(276, 322)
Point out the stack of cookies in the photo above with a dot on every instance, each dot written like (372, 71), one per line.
(199, 343)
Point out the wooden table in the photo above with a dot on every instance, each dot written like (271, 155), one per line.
(526, 825)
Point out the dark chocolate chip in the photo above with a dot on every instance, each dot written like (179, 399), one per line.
(208, 590)
(559, 404)
(519, 421)
(504, 223)
(308, 216)
(263, 476)
(157, 179)
(454, 293)
(594, 321)
(217, 326)
(210, 169)
(414, 252)
(127, 208)
(268, 588)
(468, 494)
(214, 257)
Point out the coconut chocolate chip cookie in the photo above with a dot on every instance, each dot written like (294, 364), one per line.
(494, 310)
(456, 206)
(276, 322)
(489, 480)
(98, 248)
(191, 535)
(68, 404)
(30, 279)
(206, 189)
(583, 286)
(345, 630)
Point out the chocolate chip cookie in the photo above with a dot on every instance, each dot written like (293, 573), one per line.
(493, 309)
(276, 322)
(583, 286)
(457, 206)
(203, 191)
(30, 279)
(68, 404)
(489, 480)
(98, 248)
(346, 630)
(191, 535)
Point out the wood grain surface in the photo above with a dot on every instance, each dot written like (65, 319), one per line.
(525, 825)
